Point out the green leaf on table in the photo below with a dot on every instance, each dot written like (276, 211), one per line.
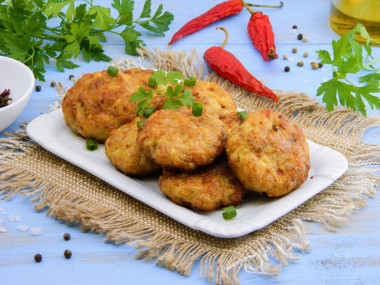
(125, 9)
(348, 59)
(54, 8)
(159, 23)
(131, 39)
(146, 9)
(103, 19)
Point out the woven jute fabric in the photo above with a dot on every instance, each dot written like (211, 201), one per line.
(69, 193)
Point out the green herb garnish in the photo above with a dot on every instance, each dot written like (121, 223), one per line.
(91, 145)
(348, 59)
(139, 124)
(113, 71)
(148, 112)
(175, 94)
(190, 82)
(197, 109)
(242, 114)
(229, 212)
(35, 31)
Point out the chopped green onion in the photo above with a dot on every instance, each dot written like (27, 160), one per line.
(190, 82)
(113, 71)
(139, 124)
(148, 112)
(91, 145)
(152, 82)
(197, 109)
(242, 114)
(229, 212)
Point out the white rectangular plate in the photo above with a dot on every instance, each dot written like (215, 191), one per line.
(327, 165)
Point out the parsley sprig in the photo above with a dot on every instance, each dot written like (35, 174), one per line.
(35, 31)
(348, 59)
(175, 93)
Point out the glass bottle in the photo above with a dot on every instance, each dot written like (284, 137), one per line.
(346, 14)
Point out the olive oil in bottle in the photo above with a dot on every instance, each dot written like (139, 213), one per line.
(346, 14)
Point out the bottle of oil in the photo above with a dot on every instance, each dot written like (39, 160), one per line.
(346, 14)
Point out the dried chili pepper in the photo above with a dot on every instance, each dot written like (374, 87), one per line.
(261, 33)
(226, 65)
(220, 11)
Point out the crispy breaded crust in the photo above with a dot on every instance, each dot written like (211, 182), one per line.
(230, 121)
(99, 102)
(178, 139)
(268, 153)
(122, 150)
(206, 188)
(215, 100)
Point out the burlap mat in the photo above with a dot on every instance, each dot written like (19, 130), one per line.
(74, 195)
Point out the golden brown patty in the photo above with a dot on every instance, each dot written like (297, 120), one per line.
(99, 102)
(268, 153)
(230, 121)
(205, 188)
(122, 150)
(178, 139)
(215, 100)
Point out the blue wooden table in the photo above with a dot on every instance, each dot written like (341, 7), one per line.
(349, 256)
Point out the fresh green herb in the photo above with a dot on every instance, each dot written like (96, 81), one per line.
(190, 82)
(33, 31)
(242, 114)
(139, 124)
(175, 94)
(197, 109)
(148, 112)
(91, 145)
(152, 83)
(348, 59)
(113, 71)
(229, 212)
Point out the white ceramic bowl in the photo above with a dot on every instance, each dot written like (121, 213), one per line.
(19, 79)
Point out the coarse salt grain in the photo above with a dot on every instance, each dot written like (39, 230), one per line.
(291, 59)
(293, 31)
(3, 229)
(36, 231)
(18, 218)
(23, 228)
(323, 69)
(11, 218)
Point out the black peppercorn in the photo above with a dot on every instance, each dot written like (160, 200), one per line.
(66, 236)
(67, 253)
(71, 77)
(287, 68)
(52, 84)
(320, 64)
(300, 36)
(38, 88)
(295, 27)
(38, 257)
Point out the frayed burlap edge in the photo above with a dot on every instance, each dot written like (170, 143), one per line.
(59, 187)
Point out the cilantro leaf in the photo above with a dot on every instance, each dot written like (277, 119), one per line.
(175, 94)
(34, 31)
(348, 59)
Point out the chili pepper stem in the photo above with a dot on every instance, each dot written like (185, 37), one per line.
(248, 5)
(226, 39)
(266, 6)
(248, 8)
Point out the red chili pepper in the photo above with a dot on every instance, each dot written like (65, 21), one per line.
(226, 65)
(220, 11)
(261, 33)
